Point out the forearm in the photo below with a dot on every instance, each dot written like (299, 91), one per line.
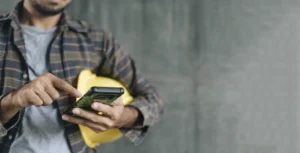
(147, 102)
(8, 110)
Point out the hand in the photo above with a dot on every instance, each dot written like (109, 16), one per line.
(114, 116)
(42, 91)
(39, 92)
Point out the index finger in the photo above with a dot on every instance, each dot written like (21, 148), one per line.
(64, 86)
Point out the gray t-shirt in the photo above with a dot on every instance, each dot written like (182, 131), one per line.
(42, 129)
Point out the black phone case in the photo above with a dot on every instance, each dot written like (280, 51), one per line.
(105, 95)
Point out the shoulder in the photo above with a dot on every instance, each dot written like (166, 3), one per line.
(96, 34)
(83, 26)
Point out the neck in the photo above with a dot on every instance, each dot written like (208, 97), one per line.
(31, 17)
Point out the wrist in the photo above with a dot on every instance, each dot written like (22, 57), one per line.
(129, 116)
(9, 102)
(12, 99)
(8, 108)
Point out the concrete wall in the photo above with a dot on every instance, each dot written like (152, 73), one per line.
(227, 70)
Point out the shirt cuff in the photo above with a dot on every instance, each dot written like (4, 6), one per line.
(3, 131)
(144, 111)
(9, 125)
(136, 134)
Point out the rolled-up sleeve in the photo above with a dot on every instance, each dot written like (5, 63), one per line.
(4, 128)
(147, 101)
(3, 131)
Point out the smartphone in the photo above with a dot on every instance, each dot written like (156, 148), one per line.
(105, 95)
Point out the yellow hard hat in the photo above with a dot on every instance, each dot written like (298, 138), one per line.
(86, 80)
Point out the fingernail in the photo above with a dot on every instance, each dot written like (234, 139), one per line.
(76, 111)
(95, 106)
(79, 94)
(64, 117)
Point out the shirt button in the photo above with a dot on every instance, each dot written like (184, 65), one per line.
(25, 76)
(10, 137)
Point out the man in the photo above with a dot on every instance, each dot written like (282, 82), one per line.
(42, 51)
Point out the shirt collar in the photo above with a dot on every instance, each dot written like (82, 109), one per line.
(66, 22)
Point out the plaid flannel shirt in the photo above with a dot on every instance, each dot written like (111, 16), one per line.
(76, 46)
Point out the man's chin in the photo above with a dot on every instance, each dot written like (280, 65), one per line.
(55, 1)
(48, 10)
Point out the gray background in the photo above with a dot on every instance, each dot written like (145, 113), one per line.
(227, 70)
